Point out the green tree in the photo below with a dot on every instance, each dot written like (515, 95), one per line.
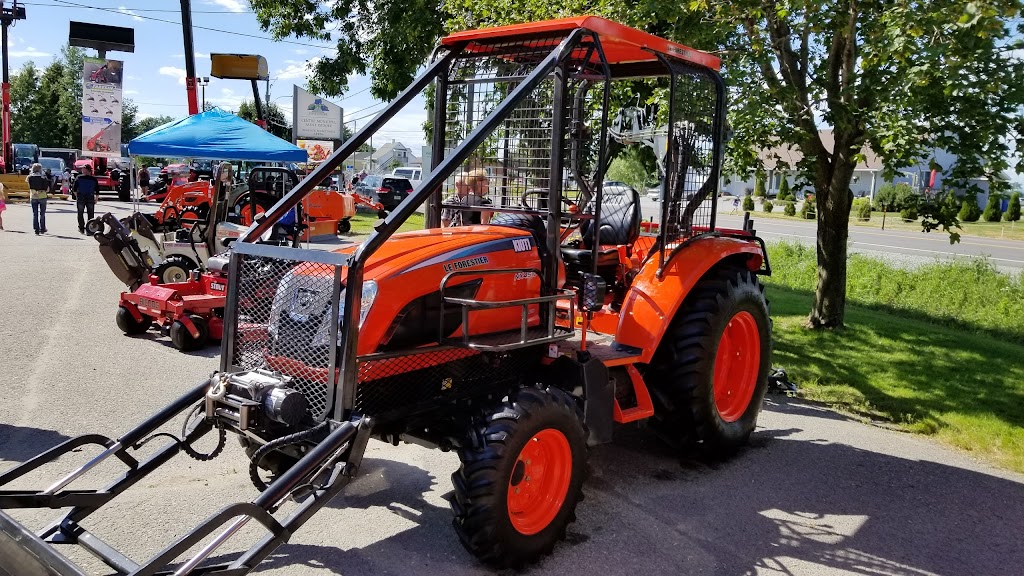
(784, 193)
(759, 190)
(276, 121)
(790, 209)
(992, 212)
(969, 211)
(629, 167)
(150, 122)
(1013, 210)
(388, 39)
(748, 204)
(25, 112)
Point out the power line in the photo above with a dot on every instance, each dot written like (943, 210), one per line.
(145, 9)
(116, 11)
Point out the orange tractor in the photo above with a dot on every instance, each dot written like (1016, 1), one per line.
(517, 343)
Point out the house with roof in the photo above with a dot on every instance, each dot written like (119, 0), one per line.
(393, 154)
(867, 176)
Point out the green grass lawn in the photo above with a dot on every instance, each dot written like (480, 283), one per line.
(962, 387)
(362, 223)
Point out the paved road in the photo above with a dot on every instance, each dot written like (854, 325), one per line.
(815, 494)
(902, 245)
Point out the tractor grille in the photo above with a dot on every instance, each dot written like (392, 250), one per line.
(282, 317)
(413, 382)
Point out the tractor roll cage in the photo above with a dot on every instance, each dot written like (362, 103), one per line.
(696, 120)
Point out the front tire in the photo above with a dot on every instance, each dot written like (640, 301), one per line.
(183, 339)
(521, 478)
(129, 325)
(344, 226)
(709, 376)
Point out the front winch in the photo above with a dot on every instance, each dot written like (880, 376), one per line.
(255, 398)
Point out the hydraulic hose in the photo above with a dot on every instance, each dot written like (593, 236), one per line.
(296, 438)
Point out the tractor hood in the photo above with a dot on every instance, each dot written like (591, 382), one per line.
(454, 249)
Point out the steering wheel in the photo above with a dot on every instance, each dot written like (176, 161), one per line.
(541, 197)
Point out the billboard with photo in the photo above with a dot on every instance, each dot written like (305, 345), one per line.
(101, 107)
(315, 117)
(318, 150)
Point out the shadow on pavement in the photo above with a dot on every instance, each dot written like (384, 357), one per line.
(19, 443)
(781, 506)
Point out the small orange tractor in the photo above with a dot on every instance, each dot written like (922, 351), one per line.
(517, 343)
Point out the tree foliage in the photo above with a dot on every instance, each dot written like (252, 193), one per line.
(1013, 210)
(992, 211)
(630, 168)
(388, 39)
(277, 123)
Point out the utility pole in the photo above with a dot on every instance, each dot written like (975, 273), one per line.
(190, 57)
(7, 17)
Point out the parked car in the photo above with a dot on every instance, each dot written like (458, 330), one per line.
(388, 190)
(413, 175)
(54, 169)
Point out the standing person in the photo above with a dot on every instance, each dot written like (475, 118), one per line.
(3, 205)
(38, 186)
(85, 189)
(480, 186)
(464, 195)
(143, 182)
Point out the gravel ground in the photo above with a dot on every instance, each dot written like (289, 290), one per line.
(814, 494)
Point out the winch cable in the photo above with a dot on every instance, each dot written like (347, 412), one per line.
(296, 438)
(222, 439)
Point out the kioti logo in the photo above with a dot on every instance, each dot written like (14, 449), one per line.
(521, 244)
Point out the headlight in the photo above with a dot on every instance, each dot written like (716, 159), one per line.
(369, 295)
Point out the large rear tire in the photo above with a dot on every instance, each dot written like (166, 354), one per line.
(521, 478)
(709, 375)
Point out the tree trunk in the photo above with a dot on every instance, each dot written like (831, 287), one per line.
(833, 202)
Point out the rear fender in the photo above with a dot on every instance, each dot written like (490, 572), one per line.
(651, 303)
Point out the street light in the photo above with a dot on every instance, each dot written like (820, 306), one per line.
(203, 83)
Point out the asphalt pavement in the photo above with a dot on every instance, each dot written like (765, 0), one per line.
(814, 494)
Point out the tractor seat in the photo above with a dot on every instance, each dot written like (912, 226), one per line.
(581, 257)
(620, 219)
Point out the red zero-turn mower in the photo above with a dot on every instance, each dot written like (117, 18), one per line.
(516, 344)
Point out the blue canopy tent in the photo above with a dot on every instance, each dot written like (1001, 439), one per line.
(218, 135)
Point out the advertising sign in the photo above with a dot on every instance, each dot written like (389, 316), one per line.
(315, 117)
(318, 150)
(101, 107)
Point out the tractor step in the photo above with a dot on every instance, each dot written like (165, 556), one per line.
(330, 464)
(600, 346)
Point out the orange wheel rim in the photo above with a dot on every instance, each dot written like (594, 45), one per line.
(245, 214)
(539, 482)
(737, 364)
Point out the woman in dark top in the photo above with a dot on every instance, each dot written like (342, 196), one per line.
(143, 181)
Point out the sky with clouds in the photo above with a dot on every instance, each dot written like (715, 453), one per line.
(155, 72)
